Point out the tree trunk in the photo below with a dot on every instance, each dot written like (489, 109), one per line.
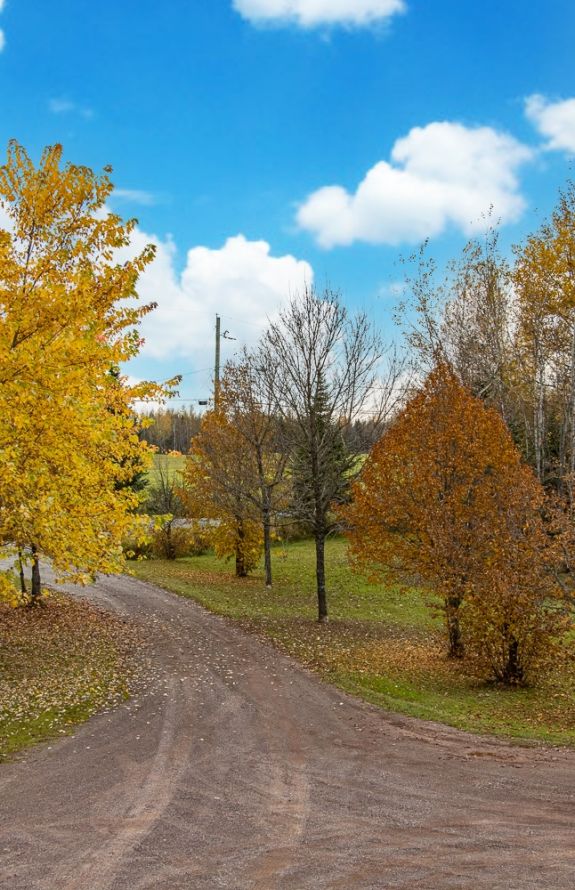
(170, 550)
(320, 575)
(512, 672)
(21, 573)
(36, 580)
(572, 421)
(539, 414)
(267, 546)
(318, 529)
(456, 649)
(240, 557)
(240, 563)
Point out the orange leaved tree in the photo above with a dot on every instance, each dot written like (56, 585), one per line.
(515, 616)
(444, 498)
(220, 473)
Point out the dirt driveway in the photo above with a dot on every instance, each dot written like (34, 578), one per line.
(234, 768)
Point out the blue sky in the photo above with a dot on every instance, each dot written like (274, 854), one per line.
(261, 143)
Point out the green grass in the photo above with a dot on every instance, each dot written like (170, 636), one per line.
(168, 463)
(59, 664)
(381, 644)
(293, 593)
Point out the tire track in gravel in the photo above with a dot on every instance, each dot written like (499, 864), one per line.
(142, 809)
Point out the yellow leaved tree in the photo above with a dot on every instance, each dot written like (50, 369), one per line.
(68, 318)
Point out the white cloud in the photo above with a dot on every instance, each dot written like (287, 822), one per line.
(554, 120)
(241, 280)
(314, 13)
(140, 405)
(135, 196)
(2, 34)
(441, 174)
(65, 106)
(60, 106)
(392, 289)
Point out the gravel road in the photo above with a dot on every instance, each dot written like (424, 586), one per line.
(235, 768)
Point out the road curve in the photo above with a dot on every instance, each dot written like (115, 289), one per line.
(235, 768)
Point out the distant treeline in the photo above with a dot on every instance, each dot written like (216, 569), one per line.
(173, 430)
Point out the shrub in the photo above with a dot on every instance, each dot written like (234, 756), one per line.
(135, 547)
(171, 541)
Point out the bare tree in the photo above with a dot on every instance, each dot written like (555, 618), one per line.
(164, 499)
(463, 317)
(321, 364)
(250, 404)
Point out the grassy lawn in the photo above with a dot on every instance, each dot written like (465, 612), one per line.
(59, 663)
(170, 463)
(381, 644)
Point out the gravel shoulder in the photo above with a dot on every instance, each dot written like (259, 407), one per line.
(233, 767)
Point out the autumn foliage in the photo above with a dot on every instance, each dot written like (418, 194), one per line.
(444, 499)
(218, 478)
(68, 435)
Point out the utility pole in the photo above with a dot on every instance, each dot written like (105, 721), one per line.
(217, 366)
(219, 336)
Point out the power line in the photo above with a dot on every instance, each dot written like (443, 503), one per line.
(249, 324)
(199, 371)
